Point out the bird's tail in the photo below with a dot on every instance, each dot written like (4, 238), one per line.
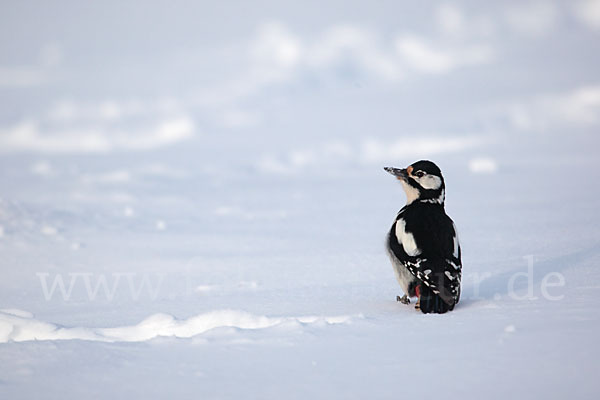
(430, 302)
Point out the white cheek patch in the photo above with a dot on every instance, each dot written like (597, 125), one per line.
(430, 182)
(406, 239)
(412, 193)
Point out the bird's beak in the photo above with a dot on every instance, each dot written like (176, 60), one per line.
(397, 172)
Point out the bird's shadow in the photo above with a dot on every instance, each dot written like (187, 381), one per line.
(494, 287)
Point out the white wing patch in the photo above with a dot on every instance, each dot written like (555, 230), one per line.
(406, 239)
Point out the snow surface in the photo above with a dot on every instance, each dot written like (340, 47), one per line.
(193, 205)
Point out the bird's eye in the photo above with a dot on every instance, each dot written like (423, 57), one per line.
(419, 174)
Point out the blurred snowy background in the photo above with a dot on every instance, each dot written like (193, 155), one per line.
(231, 154)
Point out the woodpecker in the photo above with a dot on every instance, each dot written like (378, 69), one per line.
(423, 243)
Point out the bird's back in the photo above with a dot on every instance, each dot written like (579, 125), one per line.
(432, 229)
(436, 260)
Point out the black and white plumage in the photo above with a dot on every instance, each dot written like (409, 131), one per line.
(423, 243)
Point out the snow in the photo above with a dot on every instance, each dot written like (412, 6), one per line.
(19, 326)
(193, 203)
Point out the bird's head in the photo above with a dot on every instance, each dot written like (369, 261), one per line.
(422, 181)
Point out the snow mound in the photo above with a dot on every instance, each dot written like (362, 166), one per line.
(19, 326)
